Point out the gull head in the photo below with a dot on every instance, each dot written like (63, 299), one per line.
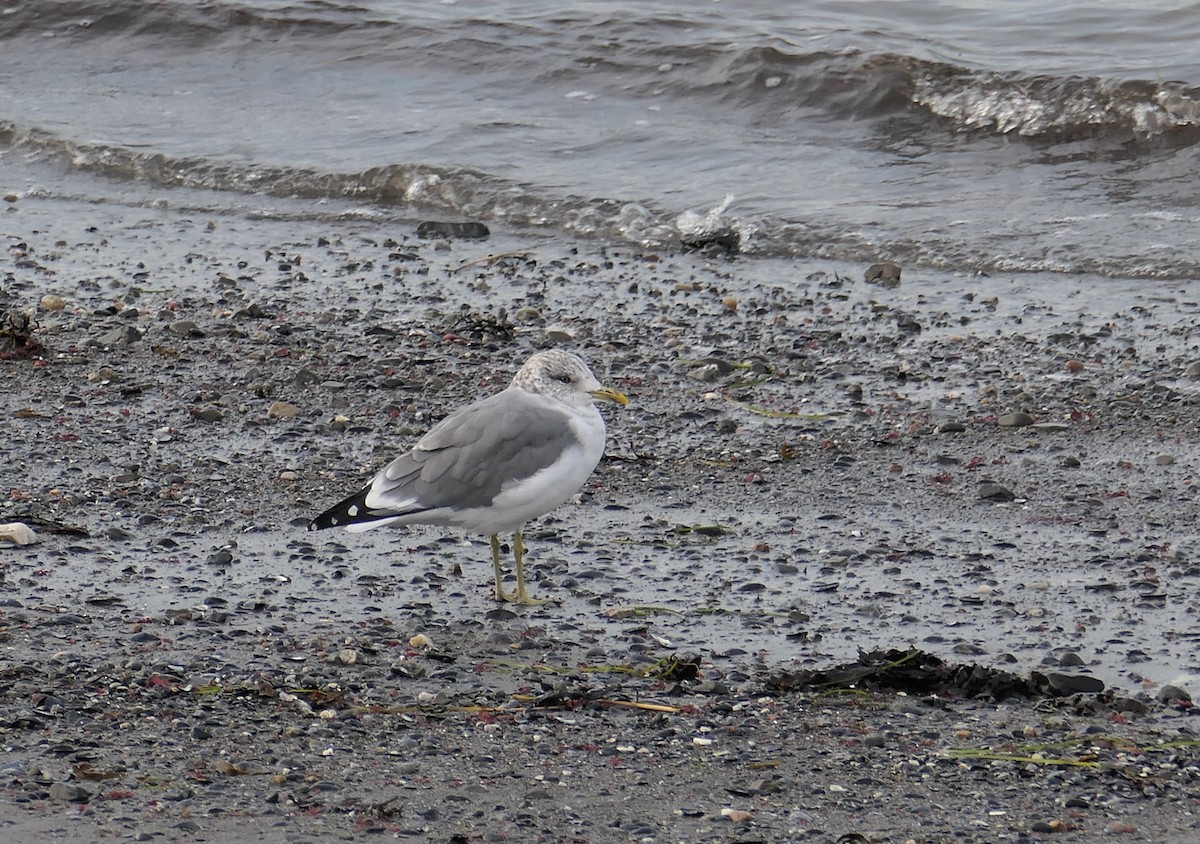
(563, 376)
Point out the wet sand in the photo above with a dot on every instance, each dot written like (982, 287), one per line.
(811, 465)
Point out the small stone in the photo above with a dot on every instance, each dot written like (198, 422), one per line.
(283, 410)
(1071, 684)
(467, 230)
(721, 241)
(1170, 694)
(886, 273)
(51, 302)
(69, 792)
(1193, 370)
(527, 314)
(990, 491)
(251, 311)
(420, 641)
(707, 374)
(559, 334)
(1165, 460)
(209, 413)
(306, 376)
(1073, 366)
(737, 815)
(17, 533)
(347, 656)
(951, 426)
(184, 328)
(1119, 828)
(118, 337)
(765, 786)
(1019, 419)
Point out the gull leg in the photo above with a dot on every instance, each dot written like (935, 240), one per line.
(522, 596)
(501, 595)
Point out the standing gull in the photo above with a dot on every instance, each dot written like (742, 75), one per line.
(495, 464)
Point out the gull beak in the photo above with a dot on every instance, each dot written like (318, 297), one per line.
(611, 395)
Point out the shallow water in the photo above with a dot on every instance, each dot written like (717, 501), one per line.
(950, 134)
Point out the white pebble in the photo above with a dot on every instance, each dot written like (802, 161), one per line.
(18, 533)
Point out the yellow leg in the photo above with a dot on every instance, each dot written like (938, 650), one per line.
(501, 595)
(522, 596)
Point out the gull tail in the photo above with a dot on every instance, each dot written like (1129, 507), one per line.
(354, 515)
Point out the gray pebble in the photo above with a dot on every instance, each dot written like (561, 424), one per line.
(209, 413)
(1170, 694)
(1020, 419)
(990, 491)
(306, 376)
(185, 328)
(1070, 684)
(706, 374)
(118, 337)
(886, 273)
(69, 792)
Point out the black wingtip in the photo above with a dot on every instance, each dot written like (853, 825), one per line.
(345, 512)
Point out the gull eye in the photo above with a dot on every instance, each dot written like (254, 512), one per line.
(564, 378)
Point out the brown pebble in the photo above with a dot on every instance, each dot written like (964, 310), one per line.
(736, 815)
(208, 414)
(1074, 365)
(283, 410)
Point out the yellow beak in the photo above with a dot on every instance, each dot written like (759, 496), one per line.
(611, 395)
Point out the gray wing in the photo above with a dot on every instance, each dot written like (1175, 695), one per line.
(465, 460)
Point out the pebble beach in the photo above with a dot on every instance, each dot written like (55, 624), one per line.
(813, 465)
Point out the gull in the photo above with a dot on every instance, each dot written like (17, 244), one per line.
(495, 464)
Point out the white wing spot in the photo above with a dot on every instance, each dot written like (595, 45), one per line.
(353, 511)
